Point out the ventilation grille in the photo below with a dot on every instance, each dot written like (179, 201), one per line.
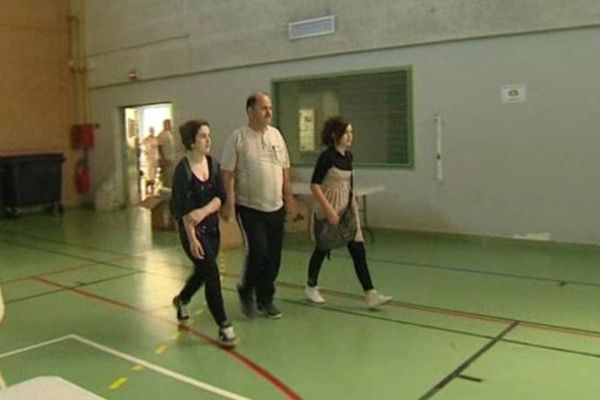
(311, 27)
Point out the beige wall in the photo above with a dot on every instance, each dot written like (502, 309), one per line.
(37, 96)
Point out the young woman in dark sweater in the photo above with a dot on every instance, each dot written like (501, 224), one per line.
(197, 196)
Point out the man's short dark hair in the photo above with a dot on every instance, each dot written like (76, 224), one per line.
(253, 99)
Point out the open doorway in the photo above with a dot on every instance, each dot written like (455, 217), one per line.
(143, 125)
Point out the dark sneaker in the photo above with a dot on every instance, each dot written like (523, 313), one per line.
(246, 301)
(270, 311)
(182, 312)
(227, 337)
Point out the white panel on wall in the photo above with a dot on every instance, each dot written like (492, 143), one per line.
(311, 27)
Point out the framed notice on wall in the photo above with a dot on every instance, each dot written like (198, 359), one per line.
(306, 128)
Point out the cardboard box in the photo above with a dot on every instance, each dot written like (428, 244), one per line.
(301, 224)
(231, 237)
(160, 214)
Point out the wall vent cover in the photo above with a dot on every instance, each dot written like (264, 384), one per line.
(311, 27)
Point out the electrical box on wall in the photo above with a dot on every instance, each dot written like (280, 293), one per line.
(82, 136)
(513, 93)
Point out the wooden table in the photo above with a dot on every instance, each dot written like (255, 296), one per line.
(360, 191)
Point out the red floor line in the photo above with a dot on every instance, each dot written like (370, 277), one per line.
(568, 331)
(429, 309)
(257, 369)
(56, 272)
(461, 314)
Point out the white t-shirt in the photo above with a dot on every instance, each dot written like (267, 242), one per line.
(257, 161)
(167, 144)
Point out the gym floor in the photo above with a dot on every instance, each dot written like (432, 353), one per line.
(88, 298)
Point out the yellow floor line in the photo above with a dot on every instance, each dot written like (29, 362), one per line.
(117, 384)
(161, 349)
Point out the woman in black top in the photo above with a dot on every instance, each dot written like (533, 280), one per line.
(197, 195)
(331, 186)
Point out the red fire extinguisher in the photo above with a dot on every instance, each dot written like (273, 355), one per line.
(83, 138)
(82, 176)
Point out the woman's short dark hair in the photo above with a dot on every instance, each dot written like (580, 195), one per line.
(189, 130)
(333, 129)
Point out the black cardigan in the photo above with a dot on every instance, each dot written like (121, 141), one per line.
(189, 193)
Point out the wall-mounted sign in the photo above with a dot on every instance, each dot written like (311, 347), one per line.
(513, 93)
(306, 126)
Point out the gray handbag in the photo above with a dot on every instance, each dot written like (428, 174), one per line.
(329, 236)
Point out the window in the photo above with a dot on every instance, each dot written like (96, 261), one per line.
(377, 104)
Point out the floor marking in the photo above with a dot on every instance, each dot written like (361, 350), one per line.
(457, 372)
(34, 346)
(138, 362)
(160, 349)
(416, 264)
(137, 367)
(470, 378)
(176, 335)
(118, 383)
(56, 272)
(174, 375)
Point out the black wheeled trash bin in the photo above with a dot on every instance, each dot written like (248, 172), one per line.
(32, 180)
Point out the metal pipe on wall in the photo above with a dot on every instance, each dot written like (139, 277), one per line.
(439, 176)
(78, 61)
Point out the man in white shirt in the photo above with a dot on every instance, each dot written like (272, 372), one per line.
(256, 174)
(166, 152)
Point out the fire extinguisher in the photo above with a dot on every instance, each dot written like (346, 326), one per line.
(83, 138)
(82, 176)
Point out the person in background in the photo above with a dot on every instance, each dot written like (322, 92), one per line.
(150, 145)
(197, 196)
(331, 186)
(257, 181)
(166, 153)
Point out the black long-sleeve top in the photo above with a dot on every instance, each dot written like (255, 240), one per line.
(189, 193)
(330, 157)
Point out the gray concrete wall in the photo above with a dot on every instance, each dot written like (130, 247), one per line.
(509, 169)
(163, 38)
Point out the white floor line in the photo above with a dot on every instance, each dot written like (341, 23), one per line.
(174, 375)
(171, 374)
(34, 346)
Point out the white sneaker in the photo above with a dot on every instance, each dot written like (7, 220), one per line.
(313, 295)
(375, 299)
(227, 337)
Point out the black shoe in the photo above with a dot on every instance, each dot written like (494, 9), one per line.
(270, 311)
(246, 301)
(182, 312)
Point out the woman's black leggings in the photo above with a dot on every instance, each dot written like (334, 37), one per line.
(206, 271)
(359, 257)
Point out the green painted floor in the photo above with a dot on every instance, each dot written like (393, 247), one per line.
(88, 299)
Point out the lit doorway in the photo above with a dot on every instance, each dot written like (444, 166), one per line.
(142, 125)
